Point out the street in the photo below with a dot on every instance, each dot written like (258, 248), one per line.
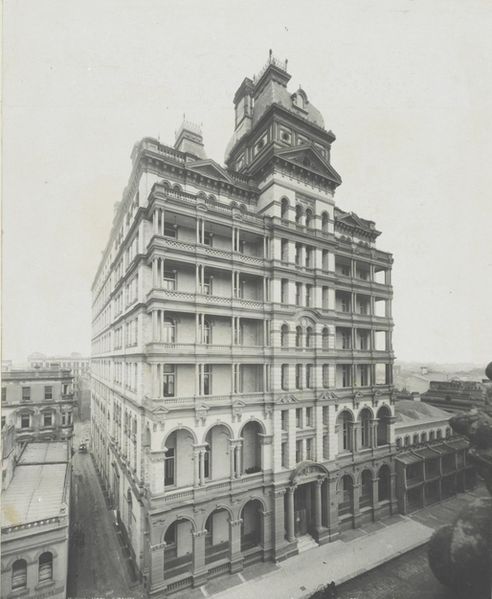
(97, 566)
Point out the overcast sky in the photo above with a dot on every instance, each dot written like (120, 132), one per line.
(405, 85)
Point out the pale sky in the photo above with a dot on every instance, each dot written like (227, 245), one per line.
(406, 86)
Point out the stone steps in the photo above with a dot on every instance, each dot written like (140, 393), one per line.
(305, 543)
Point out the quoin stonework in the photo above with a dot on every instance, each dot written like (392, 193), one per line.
(242, 399)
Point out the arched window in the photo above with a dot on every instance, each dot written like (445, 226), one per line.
(284, 336)
(309, 218)
(19, 574)
(324, 222)
(45, 566)
(384, 416)
(365, 428)
(346, 496)
(285, 377)
(309, 337)
(448, 433)
(407, 440)
(432, 435)
(344, 422)
(423, 438)
(366, 489)
(325, 338)
(416, 439)
(298, 214)
(298, 336)
(384, 476)
(284, 208)
(398, 443)
(439, 433)
(169, 331)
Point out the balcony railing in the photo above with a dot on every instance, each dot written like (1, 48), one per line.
(211, 252)
(183, 296)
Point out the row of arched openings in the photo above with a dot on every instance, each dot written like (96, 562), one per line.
(303, 337)
(19, 570)
(419, 438)
(346, 496)
(365, 435)
(306, 213)
(178, 536)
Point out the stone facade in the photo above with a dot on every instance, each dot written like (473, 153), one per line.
(39, 402)
(242, 356)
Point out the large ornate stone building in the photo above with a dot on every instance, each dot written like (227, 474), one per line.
(39, 403)
(242, 356)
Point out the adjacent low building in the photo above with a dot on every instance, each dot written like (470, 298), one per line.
(432, 463)
(39, 402)
(456, 395)
(35, 523)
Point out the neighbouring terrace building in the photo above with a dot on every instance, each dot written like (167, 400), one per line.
(432, 464)
(242, 398)
(39, 403)
(35, 523)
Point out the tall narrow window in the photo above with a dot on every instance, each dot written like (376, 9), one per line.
(309, 337)
(206, 462)
(19, 574)
(168, 380)
(298, 452)
(169, 281)
(299, 376)
(48, 419)
(170, 230)
(207, 284)
(207, 332)
(169, 467)
(4, 393)
(310, 376)
(48, 392)
(298, 336)
(25, 421)
(45, 566)
(285, 377)
(326, 376)
(284, 336)
(325, 338)
(26, 393)
(207, 379)
(284, 295)
(309, 449)
(169, 332)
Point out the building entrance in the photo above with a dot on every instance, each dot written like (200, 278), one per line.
(303, 512)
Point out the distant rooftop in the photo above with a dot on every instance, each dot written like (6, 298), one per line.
(408, 411)
(35, 493)
(44, 453)
(36, 373)
(37, 490)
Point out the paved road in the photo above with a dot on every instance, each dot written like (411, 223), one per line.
(97, 567)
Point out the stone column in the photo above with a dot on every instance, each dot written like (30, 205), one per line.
(157, 566)
(235, 545)
(317, 504)
(332, 507)
(291, 537)
(375, 495)
(279, 521)
(202, 465)
(199, 569)
(196, 465)
(374, 431)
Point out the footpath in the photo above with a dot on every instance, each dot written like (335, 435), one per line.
(356, 552)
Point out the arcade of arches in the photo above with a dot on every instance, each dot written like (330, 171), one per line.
(314, 502)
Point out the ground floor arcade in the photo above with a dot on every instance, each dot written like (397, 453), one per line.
(189, 545)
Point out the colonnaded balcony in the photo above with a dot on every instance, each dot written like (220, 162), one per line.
(362, 273)
(191, 283)
(200, 333)
(369, 430)
(221, 540)
(183, 234)
(188, 465)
